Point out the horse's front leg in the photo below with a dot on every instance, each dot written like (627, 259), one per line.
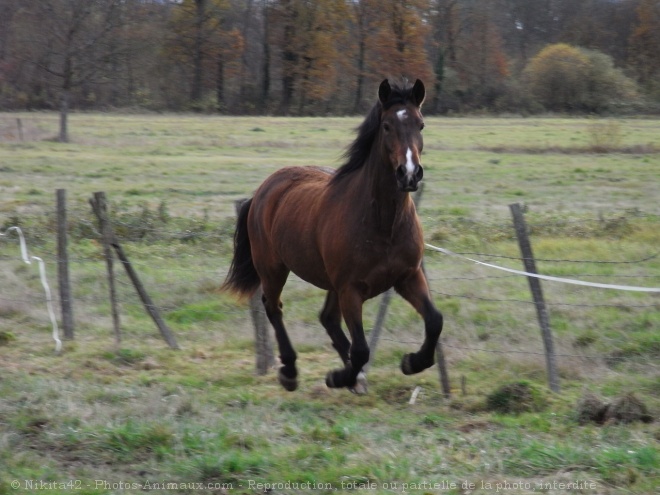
(351, 375)
(415, 290)
(331, 319)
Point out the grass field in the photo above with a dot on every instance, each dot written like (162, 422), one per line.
(100, 418)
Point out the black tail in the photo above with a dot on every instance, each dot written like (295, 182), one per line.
(242, 278)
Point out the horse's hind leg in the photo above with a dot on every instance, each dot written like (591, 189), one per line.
(272, 289)
(415, 290)
(331, 320)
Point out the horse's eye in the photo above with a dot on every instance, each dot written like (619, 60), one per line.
(386, 127)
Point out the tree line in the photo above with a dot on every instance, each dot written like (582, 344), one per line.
(319, 57)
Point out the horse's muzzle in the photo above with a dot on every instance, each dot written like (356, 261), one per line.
(408, 180)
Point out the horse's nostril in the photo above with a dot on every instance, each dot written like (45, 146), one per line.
(420, 173)
(401, 172)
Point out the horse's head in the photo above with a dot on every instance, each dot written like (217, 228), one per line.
(401, 131)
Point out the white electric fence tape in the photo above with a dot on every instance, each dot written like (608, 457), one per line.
(546, 277)
(44, 283)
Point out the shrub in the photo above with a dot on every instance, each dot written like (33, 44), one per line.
(566, 78)
(6, 338)
(625, 409)
(515, 398)
(604, 136)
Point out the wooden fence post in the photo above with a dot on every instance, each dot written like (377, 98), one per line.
(442, 369)
(19, 125)
(63, 266)
(535, 287)
(374, 336)
(265, 357)
(100, 208)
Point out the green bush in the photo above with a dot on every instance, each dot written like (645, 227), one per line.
(516, 398)
(567, 78)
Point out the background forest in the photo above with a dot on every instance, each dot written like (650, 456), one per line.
(319, 57)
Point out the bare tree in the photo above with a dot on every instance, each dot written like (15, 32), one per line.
(265, 81)
(73, 41)
(7, 11)
(198, 49)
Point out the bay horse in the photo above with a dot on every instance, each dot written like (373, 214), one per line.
(353, 232)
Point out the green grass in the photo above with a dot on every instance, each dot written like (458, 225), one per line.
(145, 415)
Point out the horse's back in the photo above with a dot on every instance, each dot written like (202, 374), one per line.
(283, 219)
(290, 190)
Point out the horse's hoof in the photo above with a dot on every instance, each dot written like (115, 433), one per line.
(330, 380)
(407, 366)
(360, 387)
(289, 384)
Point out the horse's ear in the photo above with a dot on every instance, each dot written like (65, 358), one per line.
(419, 92)
(384, 91)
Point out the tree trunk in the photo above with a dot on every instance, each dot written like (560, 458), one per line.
(265, 81)
(288, 80)
(198, 54)
(67, 83)
(452, 32)
(64, 116)
(289, 60)
(220, 84)
(360, 75)
(244, 56)
(439, 79)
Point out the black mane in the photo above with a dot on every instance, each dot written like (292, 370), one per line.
(357, 153)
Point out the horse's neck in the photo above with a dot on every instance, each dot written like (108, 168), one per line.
(387, 205)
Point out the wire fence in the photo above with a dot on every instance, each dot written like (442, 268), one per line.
(487, 312)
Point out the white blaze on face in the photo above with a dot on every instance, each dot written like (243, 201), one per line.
(402, 114)
(410, 166)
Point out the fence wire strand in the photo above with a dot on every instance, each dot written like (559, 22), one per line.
(154, 266)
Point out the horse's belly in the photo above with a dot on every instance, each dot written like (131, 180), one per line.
(314, 279)
(376, 269)
(306, 264)
(296, 246)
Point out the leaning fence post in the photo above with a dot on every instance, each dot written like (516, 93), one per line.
(265, 358)
(63, 266)
(374, 336)
(99, 205)
(535, 287)
(100, 208)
